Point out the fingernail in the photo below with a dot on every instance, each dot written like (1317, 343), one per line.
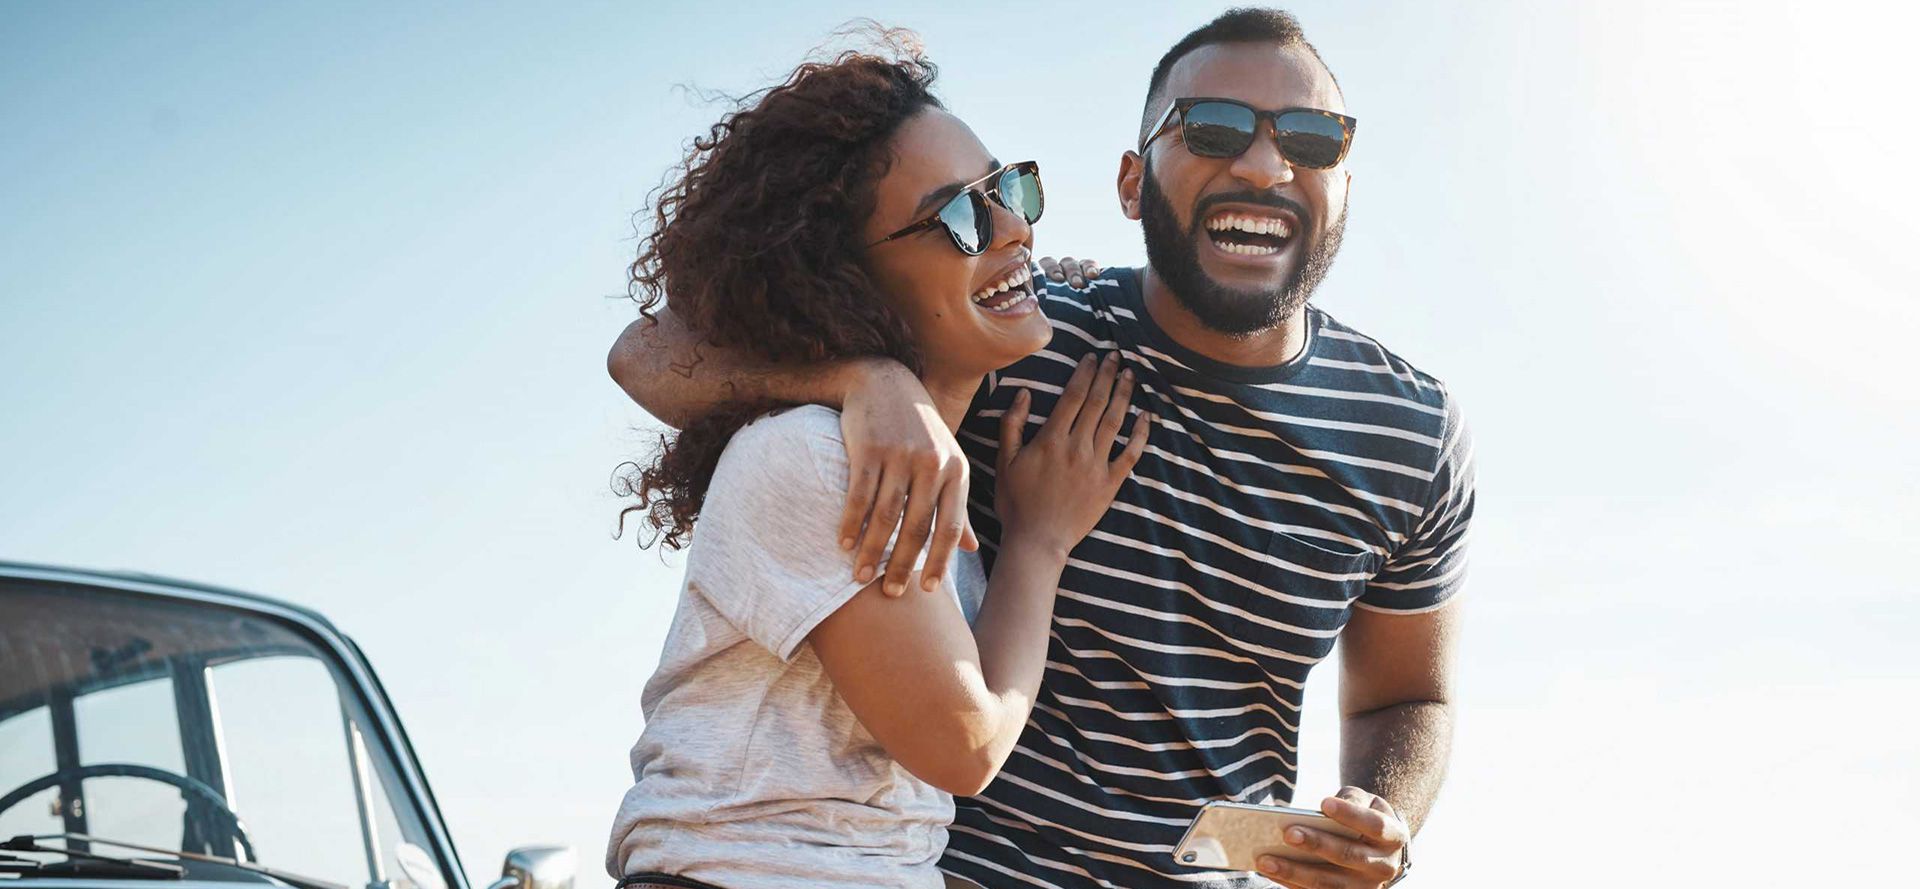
(864, 574)
(928, 584)
(1296, 836)
(846, 543)
(895, 588)
(1268, 863)
(1127, 375)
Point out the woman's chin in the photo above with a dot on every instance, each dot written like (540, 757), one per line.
(1009, 352)
(981, 358)
(1039, 339)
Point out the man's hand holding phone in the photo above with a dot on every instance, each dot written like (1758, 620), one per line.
(1376, 859)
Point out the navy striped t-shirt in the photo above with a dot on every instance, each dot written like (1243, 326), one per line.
(1270, 502)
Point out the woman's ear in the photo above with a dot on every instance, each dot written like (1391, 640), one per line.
(1132, 167)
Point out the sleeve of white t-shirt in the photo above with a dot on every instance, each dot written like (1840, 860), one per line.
(766, 553)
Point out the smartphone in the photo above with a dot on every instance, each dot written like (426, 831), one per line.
(1231, 836)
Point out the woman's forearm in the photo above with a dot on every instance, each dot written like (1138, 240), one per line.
(1012, 631)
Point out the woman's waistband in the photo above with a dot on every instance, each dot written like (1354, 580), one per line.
(655, 880)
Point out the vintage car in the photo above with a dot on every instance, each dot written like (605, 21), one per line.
(156, 730)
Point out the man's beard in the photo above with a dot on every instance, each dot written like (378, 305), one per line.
(1175, 256)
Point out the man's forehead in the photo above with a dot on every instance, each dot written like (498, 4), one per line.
(1263, 74)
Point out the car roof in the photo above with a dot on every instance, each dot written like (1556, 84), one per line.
(155, 583)
(125, 639)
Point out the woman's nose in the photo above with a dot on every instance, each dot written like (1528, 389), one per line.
(1009, 227)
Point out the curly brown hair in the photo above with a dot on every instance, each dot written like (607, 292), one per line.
(757, 237)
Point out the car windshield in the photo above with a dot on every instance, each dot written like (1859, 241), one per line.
(189, 725)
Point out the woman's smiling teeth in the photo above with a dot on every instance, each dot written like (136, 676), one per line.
(1007, 293)
(1246, 235)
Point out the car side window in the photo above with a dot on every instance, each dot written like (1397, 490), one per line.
(286, 753)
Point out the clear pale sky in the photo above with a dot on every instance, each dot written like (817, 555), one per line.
(313, 300)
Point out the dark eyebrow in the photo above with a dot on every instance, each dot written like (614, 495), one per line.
(941, 194)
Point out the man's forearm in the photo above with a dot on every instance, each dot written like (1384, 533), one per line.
(1400, 753)
(672, 372)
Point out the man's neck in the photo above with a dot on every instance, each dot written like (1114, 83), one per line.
(1266, 348)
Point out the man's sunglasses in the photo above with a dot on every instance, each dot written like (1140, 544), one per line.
(1309, 137)
(967, 218)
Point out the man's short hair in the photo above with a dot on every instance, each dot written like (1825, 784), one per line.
(1246, 24)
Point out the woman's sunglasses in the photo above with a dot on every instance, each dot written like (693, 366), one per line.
(1309, 137)
(968, 219)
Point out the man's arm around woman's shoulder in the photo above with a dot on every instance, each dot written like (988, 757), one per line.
(907, 470)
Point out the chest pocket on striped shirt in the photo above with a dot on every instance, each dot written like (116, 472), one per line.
(1303, 593)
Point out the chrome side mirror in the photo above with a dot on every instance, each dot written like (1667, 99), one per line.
(537, 867)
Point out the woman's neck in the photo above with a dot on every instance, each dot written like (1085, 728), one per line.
(952, 395)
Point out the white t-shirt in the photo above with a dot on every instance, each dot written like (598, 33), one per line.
(752, 773)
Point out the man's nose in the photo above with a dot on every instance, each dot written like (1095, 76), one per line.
(1262, 166)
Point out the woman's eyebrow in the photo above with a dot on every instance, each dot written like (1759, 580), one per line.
(937, 196)
(941, 193)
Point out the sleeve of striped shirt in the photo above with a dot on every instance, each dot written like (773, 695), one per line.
(1431, 565)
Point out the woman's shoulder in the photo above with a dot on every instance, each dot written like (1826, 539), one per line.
(810, 429)
(799, 449)
(808, 422)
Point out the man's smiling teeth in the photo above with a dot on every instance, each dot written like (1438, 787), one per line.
(1019, 277)
(1246, 235)
(1251, 224)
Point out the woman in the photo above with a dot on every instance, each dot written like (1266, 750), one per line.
(803, 729)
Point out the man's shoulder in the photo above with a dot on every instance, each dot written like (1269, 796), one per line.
(1368, 364)
(1081, 305)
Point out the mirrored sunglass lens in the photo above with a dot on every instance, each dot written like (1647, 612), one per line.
(963, 218)
(1020, 189)
(1312, 140)
(1217, 129)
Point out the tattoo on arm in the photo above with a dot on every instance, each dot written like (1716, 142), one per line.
(681, 365)
(685, 368)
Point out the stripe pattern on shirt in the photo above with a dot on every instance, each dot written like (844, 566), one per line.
(1269, 504)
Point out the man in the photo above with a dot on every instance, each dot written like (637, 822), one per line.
(1302, 484)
